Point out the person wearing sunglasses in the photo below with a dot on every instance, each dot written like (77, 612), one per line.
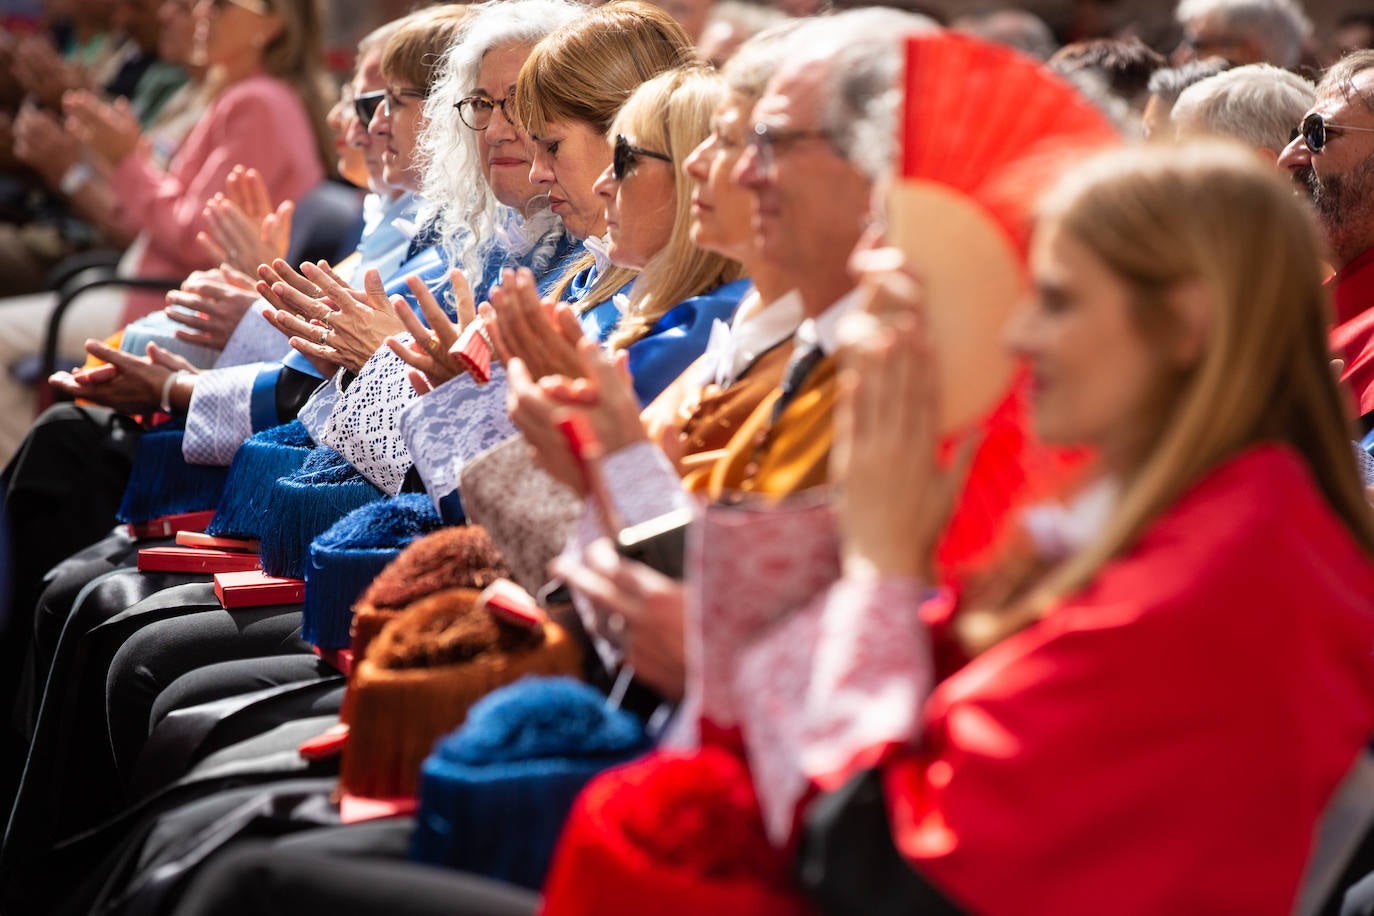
(681, 289)
(1331, 161)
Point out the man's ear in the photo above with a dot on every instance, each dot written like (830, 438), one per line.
(1195, 304)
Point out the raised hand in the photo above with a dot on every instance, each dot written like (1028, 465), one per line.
(895, 497)
(217, 300)
(43, 73)
(344, 330)
(42, 144)
(110, 130)
(429, 354)
(534, 331)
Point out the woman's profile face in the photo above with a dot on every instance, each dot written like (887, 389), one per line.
(398, 122)
(569, 157)
(641, 206)
(722, 210)
(231, 31)
(1095, 379)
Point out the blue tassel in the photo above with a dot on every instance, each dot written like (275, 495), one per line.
(346, 558)
(302, 506)
(495, 793)
(263, 458)
(162, 483)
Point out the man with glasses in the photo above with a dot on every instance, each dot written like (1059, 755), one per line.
(1332, 161)
(817, 146)
(1242, 31)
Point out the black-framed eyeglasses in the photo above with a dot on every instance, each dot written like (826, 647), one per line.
(765, 139)
(366, 105)
(392, 100)
(624, 156)
(1315, 130)
(475, 111)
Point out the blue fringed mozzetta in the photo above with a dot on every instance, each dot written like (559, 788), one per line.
(494, 794)
(346, 558)
(263, 458)
(162, 483)
(302, 506)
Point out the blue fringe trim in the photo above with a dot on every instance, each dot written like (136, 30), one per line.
(162, 483)
(305, 504)
(264, 457)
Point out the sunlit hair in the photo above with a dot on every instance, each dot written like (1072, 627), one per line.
(749, 69)
(1257, 104)
(416, 50)
(584, 72)
(470, 219)
(296, 57)
(1278, 26)
(1264, 372)
(671, 113)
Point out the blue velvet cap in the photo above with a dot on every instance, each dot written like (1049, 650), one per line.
(494, 794)
(162, 483)
(346, 558)
(261, 459)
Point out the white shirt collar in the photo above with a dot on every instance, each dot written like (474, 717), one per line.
(824, 329)
(1059, 531)
(754, 331)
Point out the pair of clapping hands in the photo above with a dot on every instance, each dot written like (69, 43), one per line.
(244, 231)
(893, 495)
(106, 131)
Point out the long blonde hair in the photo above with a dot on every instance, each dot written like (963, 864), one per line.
(672, 113)
(1207, 211)
(584, 72)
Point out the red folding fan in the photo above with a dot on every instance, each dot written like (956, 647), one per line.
(986, 131)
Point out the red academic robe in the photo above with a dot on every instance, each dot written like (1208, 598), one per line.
(1167, 739)
(1353, 336)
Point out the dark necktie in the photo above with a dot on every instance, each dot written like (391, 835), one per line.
(798, 368)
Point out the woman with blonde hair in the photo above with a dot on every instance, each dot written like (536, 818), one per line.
(568, 93)
(681, 289)
(1165, 694)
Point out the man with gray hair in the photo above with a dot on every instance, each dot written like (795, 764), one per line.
(1258, 104)
(1242, 31)
(819, 140)
(1332, 161)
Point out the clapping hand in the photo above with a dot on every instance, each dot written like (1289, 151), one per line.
(126, 383)
(245, 231)
(895, 498)
(43, 73)
(542, 334)
(341, 326)
(42, 144)
(430, 354)
(601, 392)
(210, 303)
(110, 130)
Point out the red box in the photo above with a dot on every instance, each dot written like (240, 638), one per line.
(201, 539)
(194, 559)
(254, 588)
(167, 525)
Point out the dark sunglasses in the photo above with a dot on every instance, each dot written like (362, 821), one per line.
(1314, 131)
(366, 105)
(623, 158)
